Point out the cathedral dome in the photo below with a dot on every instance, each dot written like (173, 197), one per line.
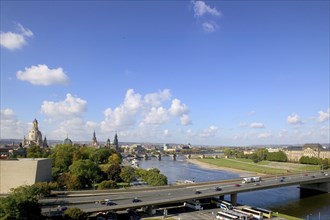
(67, 141)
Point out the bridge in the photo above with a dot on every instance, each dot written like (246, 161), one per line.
(151, 197)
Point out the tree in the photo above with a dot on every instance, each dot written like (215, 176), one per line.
(115, 158)
(127, 174)
(69, 181)
(36, 152)
(62, 156)
(21, 203)
(113, 172)
(87, 172)
(74, 213)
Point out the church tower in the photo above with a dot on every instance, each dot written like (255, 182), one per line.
(34, 136)
(94, 140)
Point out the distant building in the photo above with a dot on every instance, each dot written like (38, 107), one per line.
(67, 141)
(294, 153)
(34, 136)
(24, 171)
(94, 140)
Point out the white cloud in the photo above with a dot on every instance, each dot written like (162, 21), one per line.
(10, 126)
(209, 27)
(294, 119)
(156, 99)
(14, 41)
(323, 116)
(156, 116)
(257, 125)
(265, 135)
(242, 124)
(70, 107)
(42, 75)
(177, 108)
(185, 120)
(200, 9)
(209, 132)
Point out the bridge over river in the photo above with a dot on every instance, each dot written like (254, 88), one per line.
(150, 197)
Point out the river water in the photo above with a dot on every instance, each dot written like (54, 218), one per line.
(287, 200)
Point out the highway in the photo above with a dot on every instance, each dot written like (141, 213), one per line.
(174, 194)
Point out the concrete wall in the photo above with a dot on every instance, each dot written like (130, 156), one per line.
(24, 171)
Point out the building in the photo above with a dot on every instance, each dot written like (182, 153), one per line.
(24, 171)
(67, 141)
(294, 153)
(94, 140)
(34, 136)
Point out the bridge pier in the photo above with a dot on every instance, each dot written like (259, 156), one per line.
(151, 210)
(233, 199)
(222, 197)
(174, 156)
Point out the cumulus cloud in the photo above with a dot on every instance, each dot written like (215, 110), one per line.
(156, 99)
(294, 119)
(185, 119)
(16, 40)
(144, 111)
(257, 125)
(156, 116)
(70, 107)
(209, 132)
(201, 9)
(177, 108)
(323, 116)
(42, 75)
(11, 127)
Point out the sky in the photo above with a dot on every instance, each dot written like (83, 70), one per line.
(233, 73)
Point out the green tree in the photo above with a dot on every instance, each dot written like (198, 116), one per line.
(115, 158)
(69, 181)
(127, 174)
(87, 172)
(74, 213)
(62, 156)
(36, 152)
(113, 172)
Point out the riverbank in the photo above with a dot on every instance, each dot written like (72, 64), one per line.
(204, 165)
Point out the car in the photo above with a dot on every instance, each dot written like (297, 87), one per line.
(135, 200)
(306, 174)
(198, 192)
(218, 189)
(109, 203)
(313, 176)
(281, 180)
(237, 185)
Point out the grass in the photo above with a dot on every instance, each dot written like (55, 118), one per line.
(266, 167)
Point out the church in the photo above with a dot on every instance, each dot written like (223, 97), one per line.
(35, 137)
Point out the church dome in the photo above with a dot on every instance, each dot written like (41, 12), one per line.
(67, 141)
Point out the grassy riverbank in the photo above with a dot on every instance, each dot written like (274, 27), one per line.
(265, 167)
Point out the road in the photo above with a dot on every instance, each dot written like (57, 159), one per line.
(171, 194)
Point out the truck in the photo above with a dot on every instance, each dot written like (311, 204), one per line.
(251, 179)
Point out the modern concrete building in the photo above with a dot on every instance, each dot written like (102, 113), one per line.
(24, 171)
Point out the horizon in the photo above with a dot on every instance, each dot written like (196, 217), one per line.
(211, 73)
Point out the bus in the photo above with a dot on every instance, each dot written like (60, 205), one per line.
(226, 216)
(193, 204)
(256, 214)
(249, 215)
(241, 216)
(222, 204)
(266, 213)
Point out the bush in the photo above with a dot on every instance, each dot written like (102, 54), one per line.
(107, 184)
(74, 213)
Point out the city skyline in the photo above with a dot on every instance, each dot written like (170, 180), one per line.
(200, 72)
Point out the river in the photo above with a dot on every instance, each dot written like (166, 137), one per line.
(287, 200)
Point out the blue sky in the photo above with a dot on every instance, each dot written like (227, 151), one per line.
(200, 72)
